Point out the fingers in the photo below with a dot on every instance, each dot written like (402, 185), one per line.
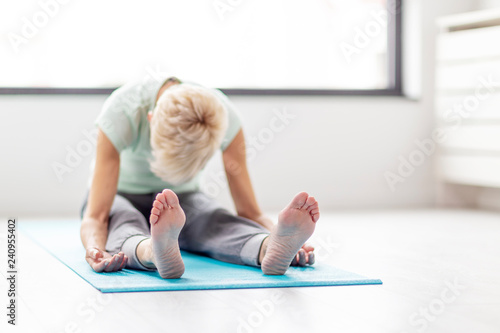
(124, 262)
(114, 262)
(111, 264)
(94, 256)
(93, 253)
(308, 247)
(99, 266)
(302, 257)
(312, 258)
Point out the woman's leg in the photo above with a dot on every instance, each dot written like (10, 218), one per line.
(215, 232)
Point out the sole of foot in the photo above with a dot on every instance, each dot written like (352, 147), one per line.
(167, 219)
(296, 224)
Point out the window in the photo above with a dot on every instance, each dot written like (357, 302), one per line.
(257, 47)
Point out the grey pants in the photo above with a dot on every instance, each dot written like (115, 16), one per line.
(209, 229)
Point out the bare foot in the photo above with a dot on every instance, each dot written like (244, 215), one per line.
(167, 219)
(296, 224)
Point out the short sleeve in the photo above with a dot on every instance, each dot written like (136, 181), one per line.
(117, 119)
(234, 120)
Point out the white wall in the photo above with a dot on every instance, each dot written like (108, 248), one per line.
(337, 148)
(486, 4)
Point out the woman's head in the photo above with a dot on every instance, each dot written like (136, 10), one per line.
(187, 127)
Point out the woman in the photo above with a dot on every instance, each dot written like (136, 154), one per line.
(144, 202)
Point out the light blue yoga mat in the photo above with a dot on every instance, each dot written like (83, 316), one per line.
(62, 240)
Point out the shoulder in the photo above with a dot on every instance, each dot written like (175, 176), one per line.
(125, 110)
(133, 95)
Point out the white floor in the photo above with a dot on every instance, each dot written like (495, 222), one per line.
(441, 273)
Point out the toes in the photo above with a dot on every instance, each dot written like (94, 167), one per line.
(313, 207)
(299, 200)
(315, 217)
(310, 203)
(161, 198)
(155, 211)
(157, 208)
(158, 205)
(314, 210)
(171, 198)
(295, 260)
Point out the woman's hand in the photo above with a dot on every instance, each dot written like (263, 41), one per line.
(304, 257)
(102, 261)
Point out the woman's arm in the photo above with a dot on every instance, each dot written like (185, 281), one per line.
(234, 158)
(94, 228)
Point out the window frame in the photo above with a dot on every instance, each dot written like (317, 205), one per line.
(394, 59)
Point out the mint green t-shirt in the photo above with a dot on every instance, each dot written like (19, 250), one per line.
(124, 121)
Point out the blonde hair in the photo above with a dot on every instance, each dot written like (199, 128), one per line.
(188, 125)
